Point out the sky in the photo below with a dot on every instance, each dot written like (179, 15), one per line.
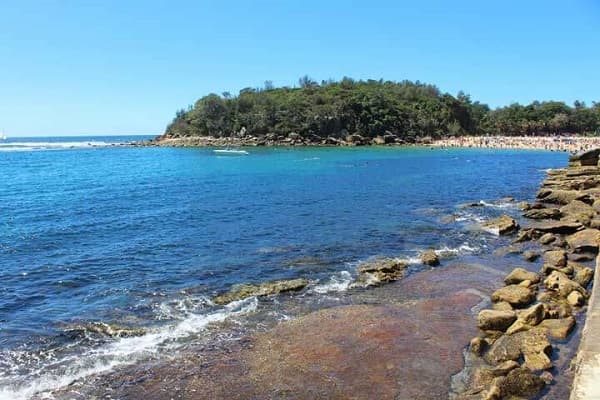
(124, 67)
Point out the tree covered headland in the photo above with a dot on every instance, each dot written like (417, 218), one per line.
(371, 109)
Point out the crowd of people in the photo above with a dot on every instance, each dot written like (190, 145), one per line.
(572, 144)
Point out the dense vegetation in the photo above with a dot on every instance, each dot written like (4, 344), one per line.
(408, 110)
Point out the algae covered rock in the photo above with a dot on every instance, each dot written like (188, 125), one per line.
(378, 271)
(245, 290)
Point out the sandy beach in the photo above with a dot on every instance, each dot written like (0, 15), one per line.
(572, 144)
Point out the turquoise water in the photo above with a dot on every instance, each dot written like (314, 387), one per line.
(146, 236)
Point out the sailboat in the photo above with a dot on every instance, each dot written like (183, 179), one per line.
(2, 135)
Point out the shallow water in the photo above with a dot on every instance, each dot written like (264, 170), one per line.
(144, 237)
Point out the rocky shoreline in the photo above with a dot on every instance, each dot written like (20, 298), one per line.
(571, 144)
(405, 340)
(513, 353)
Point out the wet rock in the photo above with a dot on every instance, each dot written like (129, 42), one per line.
(562, 285)
(517, 296)
(495, 319)
(530, 255)
(430, 258)
(547, 377)
(543, 213)
(555, 258)
(245, 290)
(562, 227)
(524, 235)
(581, 256)
(526, 283)
(527, 319)
(105, 329)
(519, 275)
(503, 225)
(537, 361)
(380, 271)
(477, 345)
(585, 240)
(547, 238)
(512, 347)
(558, 328)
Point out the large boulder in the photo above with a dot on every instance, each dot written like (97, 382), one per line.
(586, 158)
(245, 290)
(527, 319)
(559, 196)
(532, 344)
(503, 225)
(516, 295)
(585, 240)
(495, 320)
(378, 271)
(519, 275)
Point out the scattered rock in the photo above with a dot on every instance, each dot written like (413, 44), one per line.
(515, 295)
(519, 275)
(561, 284)
(104, 329)
(527, 319)
(577, 211)
(245, 290)
(495, 320)
(585, 240)
(562, 227)
(575, 298)
(558, 328)
(477, 345)
(555, 258)
(503, 225)
(430, 258)
(543, 213)
(583, 275)
(530, 256)
(547, 238)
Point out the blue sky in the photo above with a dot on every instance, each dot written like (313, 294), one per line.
(125, 67)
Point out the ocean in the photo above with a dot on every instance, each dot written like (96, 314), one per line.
(94, 231)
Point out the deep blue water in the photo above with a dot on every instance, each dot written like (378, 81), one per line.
(123, 234)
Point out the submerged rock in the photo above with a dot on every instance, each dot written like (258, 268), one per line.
(521, 382)
(530, 255)
(503, 225)
(245, 290)
(105, 329)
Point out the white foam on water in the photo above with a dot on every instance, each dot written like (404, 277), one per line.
(38, 146)
(120, 352)
(337, 283)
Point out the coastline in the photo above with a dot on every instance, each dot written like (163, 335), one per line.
(571, 144)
